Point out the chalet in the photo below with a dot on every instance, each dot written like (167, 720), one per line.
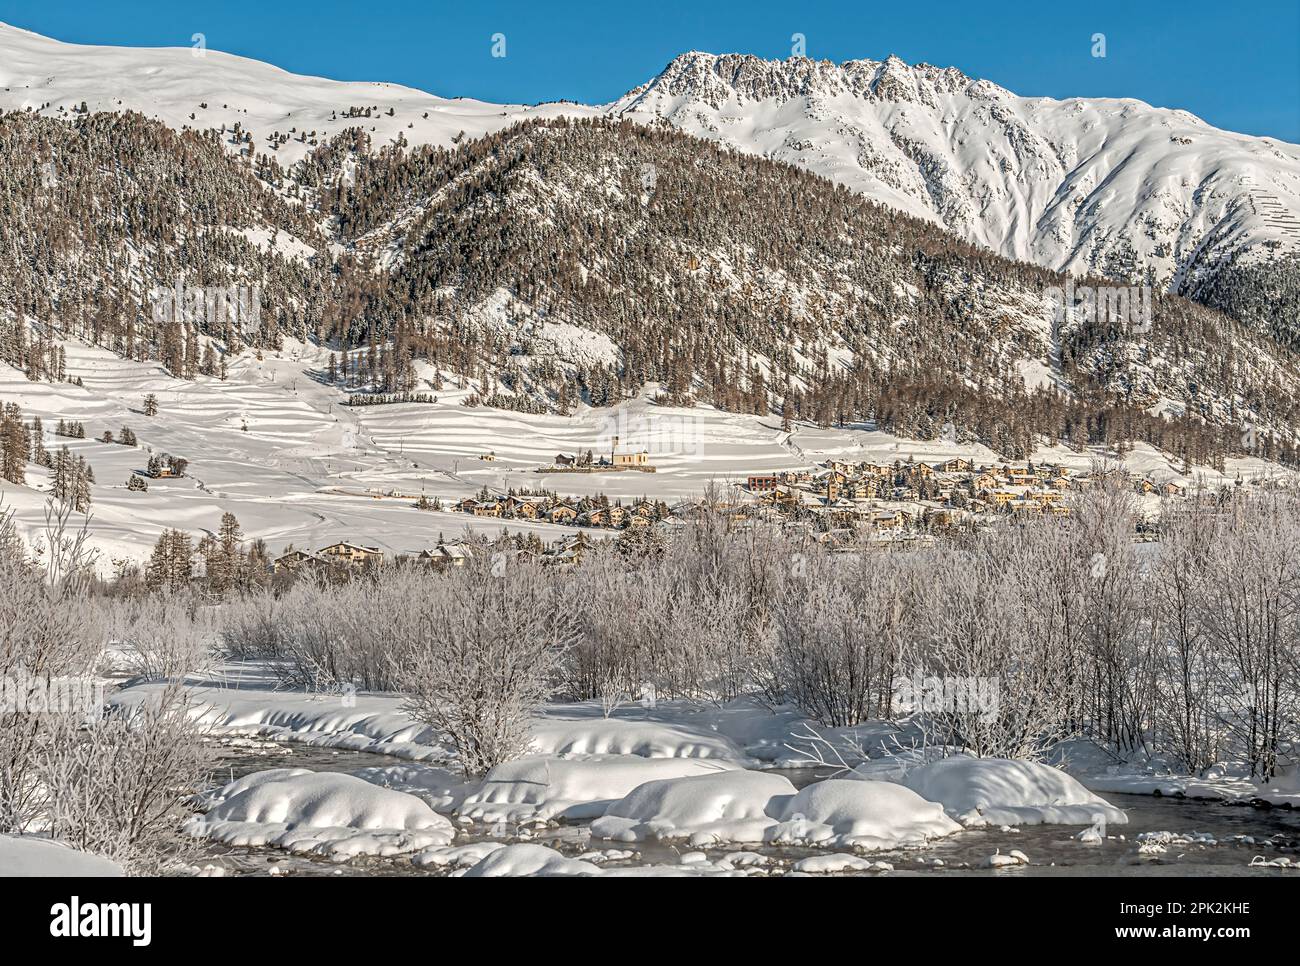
(1172, 488)
(645, 508)
(488, 508)
(352, 554)
(888, 521)
(863, 488)
(447, 555)
(617, 515)
(295, 560)
(762, 484)
(561, 513)
(562, 460)
(528, 509)
(599, 517)
(1144, 486)
(488, 457)
(467, 505)
(956, 465)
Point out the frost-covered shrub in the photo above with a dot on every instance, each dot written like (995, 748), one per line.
(48, 630)
(114, 787)
(161, 635)
(489, 643)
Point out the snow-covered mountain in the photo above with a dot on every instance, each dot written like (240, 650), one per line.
(1085, 185)
(188, 87)
(559, 257)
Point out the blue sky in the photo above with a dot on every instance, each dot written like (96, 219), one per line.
(1236, 65)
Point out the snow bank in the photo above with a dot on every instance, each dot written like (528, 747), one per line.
(441, 789)
(332, 815)
(546, 788)
(861, 814)
(839, 862)
(733, 806)
(524, 859)
(645, 739)
(999, 791)
(27, 856)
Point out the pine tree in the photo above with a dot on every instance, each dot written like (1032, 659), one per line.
(15, 446)
(170, 565)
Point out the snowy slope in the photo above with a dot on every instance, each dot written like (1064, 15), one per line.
(1080, 185)
(172, 83)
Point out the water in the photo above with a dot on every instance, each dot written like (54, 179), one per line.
(1051, 849)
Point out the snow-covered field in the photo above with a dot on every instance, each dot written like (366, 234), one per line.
(279, 449)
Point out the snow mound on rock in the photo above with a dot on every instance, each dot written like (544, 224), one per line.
(28, 857)
(328, 814)
(836, 862)
(532, 860)
(732, 806)
(861, 814)
(645, 739)
(1000, 791)
(544, 788)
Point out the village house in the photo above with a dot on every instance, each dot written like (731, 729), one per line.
(447, 555)
(352, 554)
(295, 560)
(561, 513)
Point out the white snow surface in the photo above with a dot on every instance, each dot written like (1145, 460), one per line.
(539, 787)
(740, 806)
(999, 791)
(29, 856)
(171, 83)
(865, 815)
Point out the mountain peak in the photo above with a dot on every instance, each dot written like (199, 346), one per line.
(715, 79)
